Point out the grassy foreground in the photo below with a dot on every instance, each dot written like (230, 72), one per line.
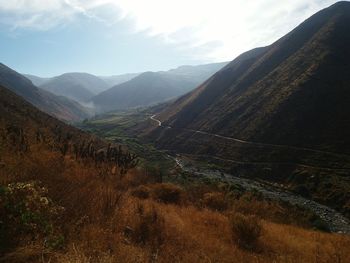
(68, 197)
(108, 218)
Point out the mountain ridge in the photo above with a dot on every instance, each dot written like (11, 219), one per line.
(77, 86)
(264, 81)
(60, 107)
(292, 97)
(153, 87)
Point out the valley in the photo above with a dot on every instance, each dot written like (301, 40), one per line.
(336, 221)
(243, 161)
(117, 126)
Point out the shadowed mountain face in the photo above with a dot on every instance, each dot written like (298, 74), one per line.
(294, 92)
(17, 112)
(60, 107)
(78, 86)
(153, 87)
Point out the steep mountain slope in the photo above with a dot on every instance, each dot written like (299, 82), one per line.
(153, 87)
(282, 115)
(77, 86)
(15, 111)
(59, 107)
(296, 92)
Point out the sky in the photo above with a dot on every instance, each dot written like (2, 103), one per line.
(108, 37)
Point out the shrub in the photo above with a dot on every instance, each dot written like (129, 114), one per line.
(142, 192)
(149, 228)
(245, 230)
(168, 193)
(215, 201)
(134, 178)
(26, 211)
(321, 225)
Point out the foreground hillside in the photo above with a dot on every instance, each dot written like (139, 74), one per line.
(64, 201)
(60, 107)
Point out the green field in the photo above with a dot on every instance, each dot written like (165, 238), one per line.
(117, 127)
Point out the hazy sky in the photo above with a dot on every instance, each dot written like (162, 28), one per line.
(105, 37)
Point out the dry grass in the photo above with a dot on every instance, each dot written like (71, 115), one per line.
(245, 230)
(187, 234)
(216, 201)
(106, 221)
(168, 193)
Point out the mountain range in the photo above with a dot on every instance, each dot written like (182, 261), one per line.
(246, 161)
(118, 79)
(58, 106)
(107, 93)
(77, 86)
(63, 187)
(82, 79)
(153, 87)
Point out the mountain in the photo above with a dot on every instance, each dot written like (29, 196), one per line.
(153, 87)
(145, 89)
(37, 81)
(83, 80)
(60, 107)
(197, 73)
(118, 79)
(280, 114)
(15, 111)
(77, 86)
(294, 92)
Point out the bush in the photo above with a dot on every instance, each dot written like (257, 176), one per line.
(168, 193)
(149, 228)
(215, 201)
(245, 230)
(321, 225)
(26, 211)
(142, 192)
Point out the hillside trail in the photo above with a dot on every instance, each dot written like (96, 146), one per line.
(159, 124)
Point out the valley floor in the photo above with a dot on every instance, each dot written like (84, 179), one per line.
(335, 220)
(257, 161)
(61, 205)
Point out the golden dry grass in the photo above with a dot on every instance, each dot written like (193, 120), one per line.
(105, 222)
(192, 235)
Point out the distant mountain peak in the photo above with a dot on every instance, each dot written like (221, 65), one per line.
(153, 87)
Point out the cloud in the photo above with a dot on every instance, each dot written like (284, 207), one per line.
(213, 30)
(233, 25)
